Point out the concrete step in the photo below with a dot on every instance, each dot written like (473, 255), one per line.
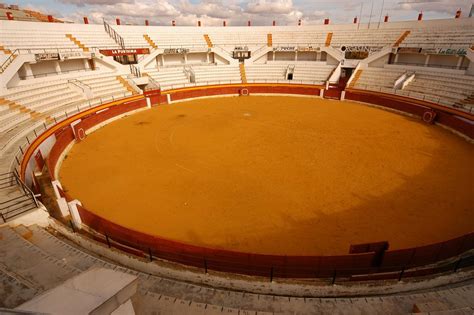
(96, 291)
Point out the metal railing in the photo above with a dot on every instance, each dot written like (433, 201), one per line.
(152, 84)
(18, 205)
(79, 84)
(114, 35)
(135, 71)
(430, 65)
(8, 61)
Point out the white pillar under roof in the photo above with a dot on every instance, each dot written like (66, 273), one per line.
(86, 64)
(57, 67)
(28, 70)
(427, 60)
(460, 60)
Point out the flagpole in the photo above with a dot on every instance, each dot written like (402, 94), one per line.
(371, 11)
(381, 12)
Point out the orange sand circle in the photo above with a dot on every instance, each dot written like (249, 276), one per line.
(276, 175)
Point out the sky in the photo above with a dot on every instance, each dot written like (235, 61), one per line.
(238, 12)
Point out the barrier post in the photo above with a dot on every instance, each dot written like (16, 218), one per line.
(72, 226)
(401, 274)
(271, 274)
(456, 266)
(107, 239)
(149, 253)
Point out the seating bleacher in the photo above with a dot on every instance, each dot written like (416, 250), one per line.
(439, 38)
(312, 72)
(378, 79)
(269, 72)
(441, 88)
(217, 74)
(169, 77)
(35, 41)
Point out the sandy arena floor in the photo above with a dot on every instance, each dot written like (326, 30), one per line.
(277, 175)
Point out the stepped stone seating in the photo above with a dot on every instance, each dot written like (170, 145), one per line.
(169, 77)
(30, 264)
(95, 39)
(169, 38)
(45, 98)
(439, 38)
(32, 40)
(372, 38)
(300, 38)
(218, 74)
(242, 37)
(51, 100)
(378, 79)
(95, 291)
(269, 72)
(40, 252)
(133, 36)
(105, 86)
(455, 90)
(446, 89)
(312, 73)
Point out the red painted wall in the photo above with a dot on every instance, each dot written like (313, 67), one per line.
(415, 107)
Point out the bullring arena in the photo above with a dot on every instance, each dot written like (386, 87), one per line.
(236, 169)
(247, 173)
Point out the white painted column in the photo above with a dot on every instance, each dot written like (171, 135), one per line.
(56, 184)
(396, 58)
(28, 70)
(57, 67)
(460, 60)
(168, 98)
(162, 60)
(148, 102)
(427, 60)
(343, 95)
(185, 59)
(296, 55)
(86, 64)
(273, 56)
(318, 56)
(63, 206)
(61, 201)
(76, 218)
(207, 57)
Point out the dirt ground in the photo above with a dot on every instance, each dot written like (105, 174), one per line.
(277, 175)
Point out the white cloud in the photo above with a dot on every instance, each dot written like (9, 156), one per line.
(260, 12)
(270, 6)
(82, 3)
